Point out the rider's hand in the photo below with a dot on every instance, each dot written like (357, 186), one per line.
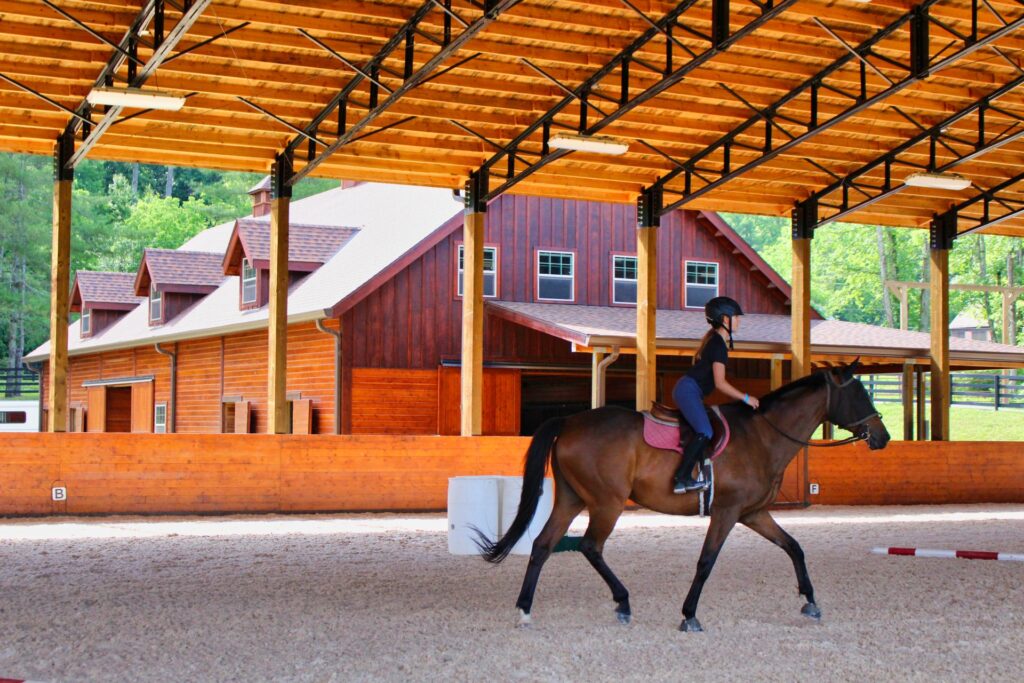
(753, 402)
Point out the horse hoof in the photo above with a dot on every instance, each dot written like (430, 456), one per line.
(525, 620)
(624, 617)
(811, 610)
(691, 626)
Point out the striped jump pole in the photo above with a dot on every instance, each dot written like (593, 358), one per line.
(962, 554)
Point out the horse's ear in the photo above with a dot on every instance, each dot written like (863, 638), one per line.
(851, 368)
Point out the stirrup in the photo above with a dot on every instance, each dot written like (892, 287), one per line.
(687, 485)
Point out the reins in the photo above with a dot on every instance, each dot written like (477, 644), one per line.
(863, 436)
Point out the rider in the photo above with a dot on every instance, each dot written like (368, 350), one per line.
(707, 373)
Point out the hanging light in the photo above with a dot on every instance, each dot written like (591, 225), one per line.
(135, 98)
(938, 181)
(597, 144)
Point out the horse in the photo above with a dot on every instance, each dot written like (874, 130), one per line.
(599, 460)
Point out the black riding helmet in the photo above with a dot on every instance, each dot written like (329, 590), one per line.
(719, 307)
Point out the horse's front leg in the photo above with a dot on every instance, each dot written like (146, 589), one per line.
(722, 522)
(763, 523)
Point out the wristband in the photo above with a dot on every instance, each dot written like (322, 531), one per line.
(746, 399)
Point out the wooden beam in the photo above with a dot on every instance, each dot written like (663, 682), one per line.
(473, 323)
(939, 262)
(277, 324)
(800, 309)
(646, 317)
(908, 401)
(60, 270)
(776, 373)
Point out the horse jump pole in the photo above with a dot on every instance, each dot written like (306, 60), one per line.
(962, 554)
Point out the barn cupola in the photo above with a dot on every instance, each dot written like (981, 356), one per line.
(102, 299)
(248, 255)
(260, 194)
(173, 280)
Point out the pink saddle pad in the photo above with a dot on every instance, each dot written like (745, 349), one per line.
(660, 434)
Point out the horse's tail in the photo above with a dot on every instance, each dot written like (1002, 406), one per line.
(537, 456)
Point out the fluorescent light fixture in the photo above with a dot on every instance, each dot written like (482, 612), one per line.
(938, 181)
(135, 98)
(588, 143)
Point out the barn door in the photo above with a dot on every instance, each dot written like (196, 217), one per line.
(242, 417)
(142, 407)
(97, 411)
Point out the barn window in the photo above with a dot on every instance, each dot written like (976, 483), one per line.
(156, 304)
(490, 270)
(160, 418)
(86, 321)
(701, 283)
(555, 280)
(248, 282)
(624, 279)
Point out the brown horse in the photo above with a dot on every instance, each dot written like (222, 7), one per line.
(599, 460)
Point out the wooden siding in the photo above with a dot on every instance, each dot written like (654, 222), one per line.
(413, 320)
(501, 401)
(179, 473)
(394, 401)
(210, 369)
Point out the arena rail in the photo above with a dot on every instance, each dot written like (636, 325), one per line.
(220, 473)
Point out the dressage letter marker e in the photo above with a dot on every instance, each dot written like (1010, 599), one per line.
(60, 493)
(962, 554)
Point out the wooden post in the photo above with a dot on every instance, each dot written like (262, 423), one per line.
(648, 220)
(776, 375)
(904, 308)
(473, 305)
(908, 401)
(60, 271)
(921, 398)
(800, 309)
(943, 232)
(278, 421)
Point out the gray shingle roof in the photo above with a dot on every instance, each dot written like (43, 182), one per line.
(97, 288)
(169, 267)
(306, 243)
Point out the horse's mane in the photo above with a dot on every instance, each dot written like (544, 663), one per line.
(814, 380)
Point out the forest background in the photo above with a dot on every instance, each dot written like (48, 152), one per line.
(121, 208)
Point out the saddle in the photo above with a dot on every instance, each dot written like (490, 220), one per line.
(662, 426)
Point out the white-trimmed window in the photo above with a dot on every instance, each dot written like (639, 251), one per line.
(624, 279)
(156, 303)
(701, 283)
(160, 418)
(248, 282)
(86, 321)
(490, 270)
(556, 276)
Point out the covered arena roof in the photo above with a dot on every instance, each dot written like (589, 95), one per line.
(745, 106)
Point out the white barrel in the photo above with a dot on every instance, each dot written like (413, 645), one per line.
(472, 502)
(511, 490)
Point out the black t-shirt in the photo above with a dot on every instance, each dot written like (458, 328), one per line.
(715, 351)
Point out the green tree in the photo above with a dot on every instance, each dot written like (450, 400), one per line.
(153, 221)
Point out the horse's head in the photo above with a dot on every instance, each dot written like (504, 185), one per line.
(850, 407)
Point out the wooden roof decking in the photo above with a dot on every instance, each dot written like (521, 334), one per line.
(498, 93)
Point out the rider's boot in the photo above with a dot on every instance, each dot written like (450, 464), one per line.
(694, 451)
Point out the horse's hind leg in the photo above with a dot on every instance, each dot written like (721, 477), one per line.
(722, 522)
(602, 521)
(567, 506)
(763, 523)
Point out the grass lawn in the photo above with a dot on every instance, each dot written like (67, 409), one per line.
(967, 424)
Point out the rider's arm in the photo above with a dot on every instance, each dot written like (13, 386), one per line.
(722, 384)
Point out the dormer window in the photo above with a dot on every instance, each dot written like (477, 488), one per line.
(86, 321)
(248, 282)
(156, 304)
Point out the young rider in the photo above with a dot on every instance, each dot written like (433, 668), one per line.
(707, 374)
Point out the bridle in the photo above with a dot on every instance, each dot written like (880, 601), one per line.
(862, 435)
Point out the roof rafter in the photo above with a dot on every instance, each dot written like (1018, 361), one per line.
(152, 12)
(996, 206)
(411, 76)
(718, 42)
(714, 160)
(959, 148)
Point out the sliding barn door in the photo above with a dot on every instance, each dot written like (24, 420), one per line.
(96, 415)
(142, 407)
